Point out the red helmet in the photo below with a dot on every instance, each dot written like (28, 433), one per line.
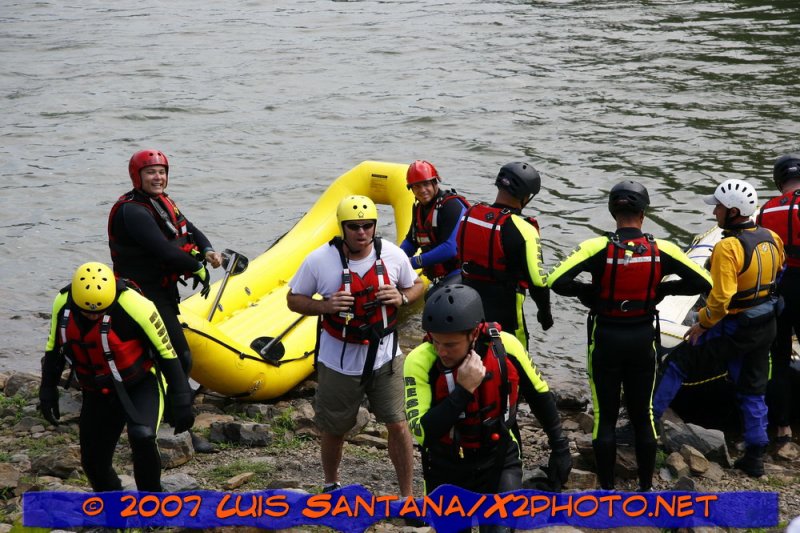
(146, 158)
(420, 171)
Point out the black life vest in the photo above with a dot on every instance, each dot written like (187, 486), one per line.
(480, 244)
(98, 356)
(368, 319)
(172, 224)
(423, 232)
(782, 215)
(492, 408)
(630, 277)
(759, 293)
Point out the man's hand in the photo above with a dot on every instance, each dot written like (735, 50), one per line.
(48, 404)
(545, 318)
(559, 465)
(389, 295)
(201, 277)
(182, 415)
(471, 372)
(692, 335)
(214, 258)
(339, 302)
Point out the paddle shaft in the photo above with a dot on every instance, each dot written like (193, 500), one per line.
(281, 335)
(232, 264)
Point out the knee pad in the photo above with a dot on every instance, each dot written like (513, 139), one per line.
(138, 432)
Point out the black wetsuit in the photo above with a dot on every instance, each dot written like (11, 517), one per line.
(621, 349)
(134, 227)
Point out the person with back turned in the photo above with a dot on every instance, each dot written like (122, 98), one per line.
(782, 215)
(115, 342)
(736, 327)
(364, 280)
(626, 267)
(155, 246)
(436, 216)
(462, 388)
(501, 255)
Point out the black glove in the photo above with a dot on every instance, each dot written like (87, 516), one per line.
(559, 464)
(545, 318)
(182, 415)
(201, 276)
(48, 404)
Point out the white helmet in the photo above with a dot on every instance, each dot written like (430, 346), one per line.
(735, 193)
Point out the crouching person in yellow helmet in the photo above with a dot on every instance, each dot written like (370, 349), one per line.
(462, 387)
(119, 351)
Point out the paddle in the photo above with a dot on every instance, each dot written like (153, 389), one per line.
(271, 348)
(234, 264)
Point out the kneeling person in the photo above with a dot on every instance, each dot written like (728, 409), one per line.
(117, 345)
(462, 387)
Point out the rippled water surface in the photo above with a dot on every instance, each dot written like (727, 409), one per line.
(259, 105)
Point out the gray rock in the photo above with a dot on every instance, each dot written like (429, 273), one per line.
(179, 482)
(687, 484)
(26, 424)
(369, 440)
(259, 411)
(582, 480)
(714, 473)
(626, 463)
(677, 465)
(238, 480)
(9, 476)
(19, 383)
(204, 420)
(175, 449)
(60, 463)
(303, 413)
(571, 398)
(585, 422)
(789, 451)
(128, 483)
(709, 442)
(696, 460)
(247, 434)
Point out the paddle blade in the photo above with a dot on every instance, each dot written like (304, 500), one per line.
(269, 348)
(240, 262)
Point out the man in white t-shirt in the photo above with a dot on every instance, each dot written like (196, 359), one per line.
(363, 280)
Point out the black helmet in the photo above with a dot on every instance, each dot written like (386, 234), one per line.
(628, 196)
(786, 167)
(519, 179)
(452, 308)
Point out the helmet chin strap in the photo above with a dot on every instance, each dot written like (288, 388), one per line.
(357, 251)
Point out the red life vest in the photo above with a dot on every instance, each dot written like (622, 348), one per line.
(424, 232)
(630, 277)
(368, 319)
(169, 218)
(782, 215)
(492, 408)
(99, 355)
(480, 243)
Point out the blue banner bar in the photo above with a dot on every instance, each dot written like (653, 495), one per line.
(354, 509)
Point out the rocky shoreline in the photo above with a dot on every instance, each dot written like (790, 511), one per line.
(274, 445)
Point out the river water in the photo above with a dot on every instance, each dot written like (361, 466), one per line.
(260, 104)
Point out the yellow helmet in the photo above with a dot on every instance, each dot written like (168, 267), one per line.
(356, 208)
(93, 287)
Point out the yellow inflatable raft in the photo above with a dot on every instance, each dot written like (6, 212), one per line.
(252, 315)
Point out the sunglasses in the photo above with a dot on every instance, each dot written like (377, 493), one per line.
(352, 226)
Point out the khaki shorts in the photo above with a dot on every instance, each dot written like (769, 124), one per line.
(339, 396)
